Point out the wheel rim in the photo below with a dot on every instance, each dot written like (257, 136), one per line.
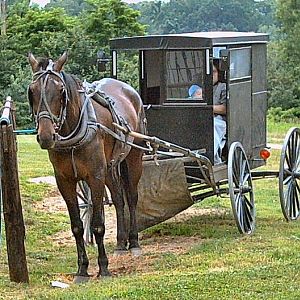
(289, 175)
(241, 189)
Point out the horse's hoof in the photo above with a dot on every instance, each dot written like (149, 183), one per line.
(136, 251)
(119, 252)
(104, 274)
(80, 279)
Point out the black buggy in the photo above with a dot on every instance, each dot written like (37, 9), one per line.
(180, 169)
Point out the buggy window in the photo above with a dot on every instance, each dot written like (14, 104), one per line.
(184, 68)
(240, 63)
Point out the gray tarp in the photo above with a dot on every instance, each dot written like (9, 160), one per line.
(163, 192)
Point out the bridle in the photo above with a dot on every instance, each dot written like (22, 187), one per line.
(43, 77)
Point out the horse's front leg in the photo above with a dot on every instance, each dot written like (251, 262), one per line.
(97, 192)
(68, 190)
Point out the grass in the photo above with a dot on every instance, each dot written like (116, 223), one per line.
(221, 264)
(277, 131)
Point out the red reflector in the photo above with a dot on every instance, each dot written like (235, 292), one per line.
(265, 153)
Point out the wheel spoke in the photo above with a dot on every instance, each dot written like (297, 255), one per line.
(287, 159)
(236, 171)
(292, 203)
(82, 198)
(248, 217)
(237, 202)
(297, 186)
(297, 152)
(241, 213)
(287, 180)
(287, 196)
(250, 205)
(84, 213)
(297, 163)
(80, 184)
(241, 166)
(290, 151)
(288, 189)
(297, 205)
(235, 180)
(242, 172)
(246, 178)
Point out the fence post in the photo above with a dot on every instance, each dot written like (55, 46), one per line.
(12, 208)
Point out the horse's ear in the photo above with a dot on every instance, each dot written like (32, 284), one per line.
(60, 62)
(33, 62)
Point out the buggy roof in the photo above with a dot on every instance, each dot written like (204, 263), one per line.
(193, 40)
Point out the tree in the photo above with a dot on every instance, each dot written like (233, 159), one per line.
(285, 72)
(50, 31)
(178, 16)
(105, 19)
(72, 7)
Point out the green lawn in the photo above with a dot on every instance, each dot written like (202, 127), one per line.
(216, 261)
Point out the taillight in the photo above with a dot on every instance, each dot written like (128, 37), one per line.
(265, 153)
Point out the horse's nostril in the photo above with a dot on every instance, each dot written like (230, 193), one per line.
(38, 138)
(54, 136)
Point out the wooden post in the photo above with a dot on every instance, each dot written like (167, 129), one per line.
(12, 208)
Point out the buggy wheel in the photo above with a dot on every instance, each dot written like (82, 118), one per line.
(241, 189)
(289, 175)
(86, 210)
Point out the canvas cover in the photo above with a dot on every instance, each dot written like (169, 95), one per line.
(163, 192)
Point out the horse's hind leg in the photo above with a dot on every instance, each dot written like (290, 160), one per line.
(68, 191)
(131, 174)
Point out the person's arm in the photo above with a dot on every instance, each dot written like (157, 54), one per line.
(219, 109)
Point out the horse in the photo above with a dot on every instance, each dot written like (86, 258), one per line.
(83, 145)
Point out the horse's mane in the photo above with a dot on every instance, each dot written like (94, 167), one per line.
(73, 84)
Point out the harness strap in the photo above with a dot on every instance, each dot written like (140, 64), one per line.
(119, 138)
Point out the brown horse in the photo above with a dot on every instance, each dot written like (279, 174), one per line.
(70, 127)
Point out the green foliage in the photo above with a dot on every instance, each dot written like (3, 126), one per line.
(284, 69)
(281, 78)
(277, 114)
(105, 19)
(50, 31)
(177, 16)
(72, 7)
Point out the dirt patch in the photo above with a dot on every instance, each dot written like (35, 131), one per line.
(152, 246)
(56, 204)
(129, 264)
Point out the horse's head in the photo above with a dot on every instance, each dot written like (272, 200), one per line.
(47, 95)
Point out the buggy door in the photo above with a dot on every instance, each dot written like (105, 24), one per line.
(239, 104)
